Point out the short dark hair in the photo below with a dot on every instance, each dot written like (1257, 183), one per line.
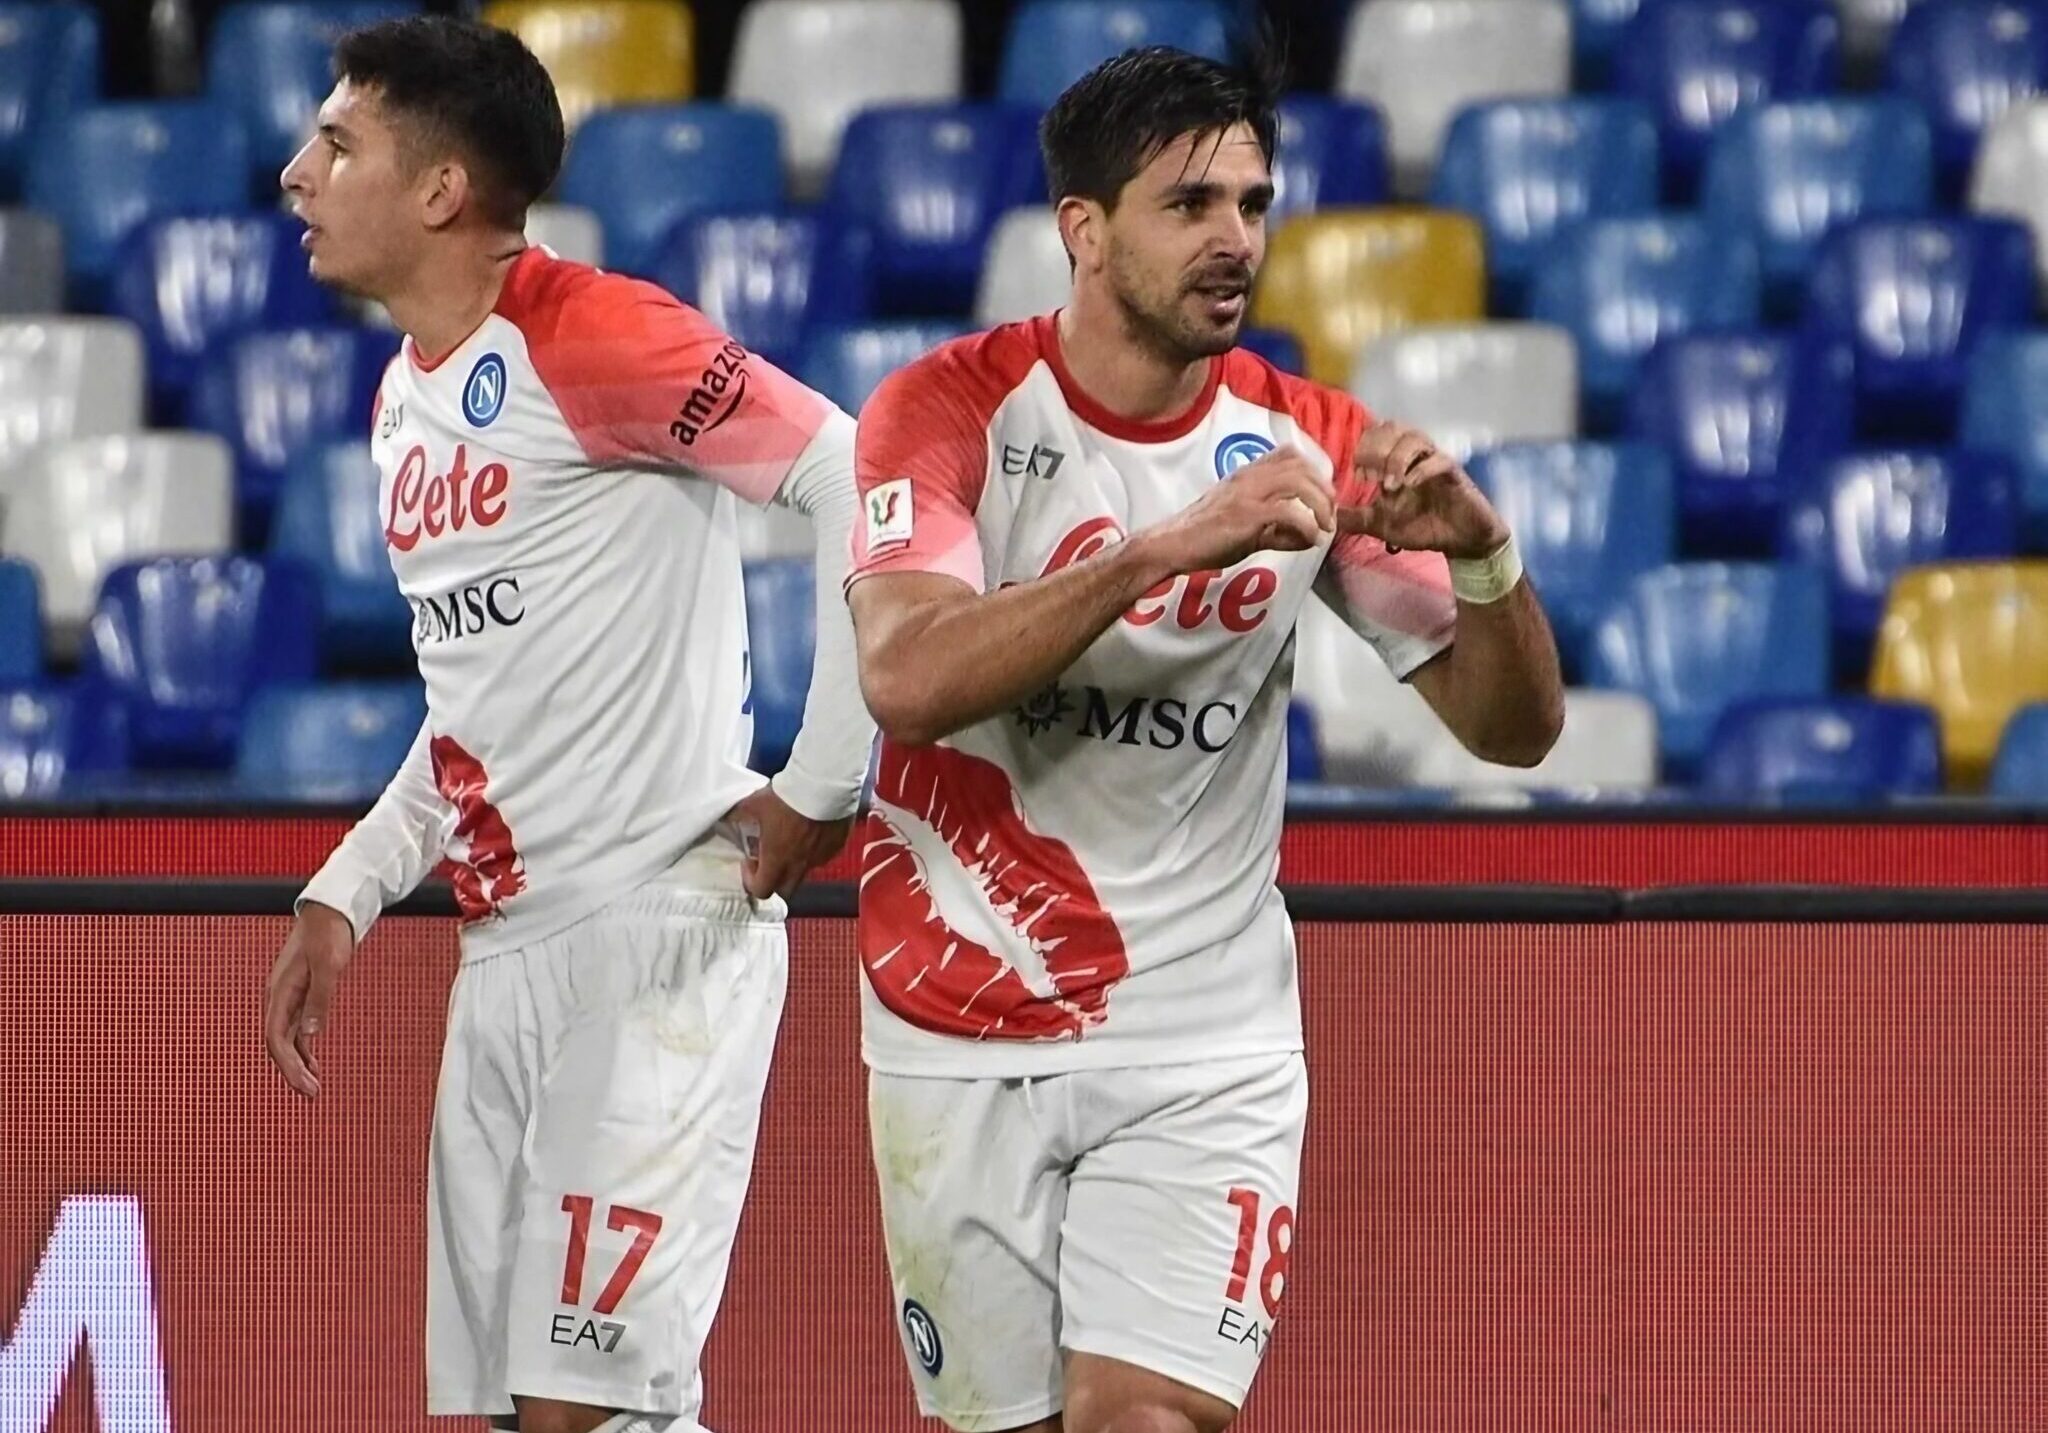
(469, 86)
(1113, 121)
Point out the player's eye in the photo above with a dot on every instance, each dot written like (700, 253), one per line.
(1187, 204)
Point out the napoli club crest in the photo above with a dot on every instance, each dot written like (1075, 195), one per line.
(483, 395)
(1239, 449)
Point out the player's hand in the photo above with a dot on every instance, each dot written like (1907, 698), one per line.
(790, 844)
(1277, 504)
(301, 991)
(1420, 498)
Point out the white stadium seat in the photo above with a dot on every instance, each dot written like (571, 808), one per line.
(1609, 742)
(2011, 177)
(66, 378)
(816, 63)
(1026, 272)
(79, 508)
(573, 232)
(1421, 61)
(1473, 386)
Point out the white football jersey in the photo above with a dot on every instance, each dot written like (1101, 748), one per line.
(1088, 880)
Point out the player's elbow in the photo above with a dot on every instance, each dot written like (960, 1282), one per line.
(1525, 739)
(900, 703)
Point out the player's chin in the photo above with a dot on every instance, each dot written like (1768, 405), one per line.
(1213, 327)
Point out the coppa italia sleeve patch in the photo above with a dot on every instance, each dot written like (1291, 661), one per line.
(889, 514)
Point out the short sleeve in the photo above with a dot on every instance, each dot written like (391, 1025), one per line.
(642, 379)
(920, 459)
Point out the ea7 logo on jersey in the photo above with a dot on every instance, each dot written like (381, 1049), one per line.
(889, 514)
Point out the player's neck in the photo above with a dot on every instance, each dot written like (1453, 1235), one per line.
(450, 295)
(1125, 376)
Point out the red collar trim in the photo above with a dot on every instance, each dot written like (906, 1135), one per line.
(1130, 430)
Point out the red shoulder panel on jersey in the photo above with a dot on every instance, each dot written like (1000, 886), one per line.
(1333, 418)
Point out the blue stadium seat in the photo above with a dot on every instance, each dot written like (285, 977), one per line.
(2020, 772)
(104, 169)
(1696, 637)
(766, 277)
(642, 169)
(1532, 169)
(1588, 519)
(2005, 411)
(271, 63)
(1914, 297)
(1333, 153)
(177, 644)
(782, 639)
(21, 622)
(54, 739)
(1052, 43)
(1698, 63)
(928, 183)
(49, 66)
(1276, 345)
(193, 284)
(846, 362)
(327, 520)
(1304, 747)
(1867, 517)
(1623, 285)
(1787, 173)
(1965, 62)
(339, 742)
(1597, 28)
(276, 395)
(1742, 415)
(1834, 750)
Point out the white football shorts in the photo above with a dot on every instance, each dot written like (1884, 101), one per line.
(593, 1137)
(1144, 1214)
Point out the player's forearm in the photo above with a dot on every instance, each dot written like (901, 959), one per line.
(1499, 689)
(951, 662)
(390, 851)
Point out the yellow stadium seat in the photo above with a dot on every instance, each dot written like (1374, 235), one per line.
(1971, 641)
(605, 52)
(1340, 277)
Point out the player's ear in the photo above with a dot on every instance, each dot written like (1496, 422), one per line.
(445, 191)
(1081, 228)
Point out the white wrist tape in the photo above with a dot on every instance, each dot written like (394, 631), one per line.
(1481, 580)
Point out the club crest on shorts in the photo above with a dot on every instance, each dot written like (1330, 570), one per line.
(924, 1337)
(1238, 449)
(483, 394)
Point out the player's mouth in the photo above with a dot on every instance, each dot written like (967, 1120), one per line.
(306, 239)
(1223, 300)
(939, 979)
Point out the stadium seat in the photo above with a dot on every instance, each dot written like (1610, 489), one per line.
(1836, 750)
(1786, 173)
(782, 638)
(328, 521)
(336, 742)
(1914, 297)
(53, 738)
(1052, 43)
(1587, 518)
(2011, 177)
(178, 645)
(1304, 746)
(1698, 63)
(817, 63)
(1866, 518)
(1277, 346)
(1966, 62)
(1531, 169)
(929, 184)
(2005, 411)
(1026, 272)
(49, 66)
(2020, 770)
(79, 508)
(1421, 61)
(1472, 386)
(569, 231)
(1344, 276)
(1971, 641)
(846, 362)
(1609, 743)
(31, 264)
(1620, 286)
(645, 168)
(1333, 154)
(21, 622)
(765, 276)
(276, 395)
(1867, 29)
(1597, 27)
(605, 52)
(66, 378)
(272, 64)
(1696, 637)
(104, 170)
(194, 285)
(1743, 416)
